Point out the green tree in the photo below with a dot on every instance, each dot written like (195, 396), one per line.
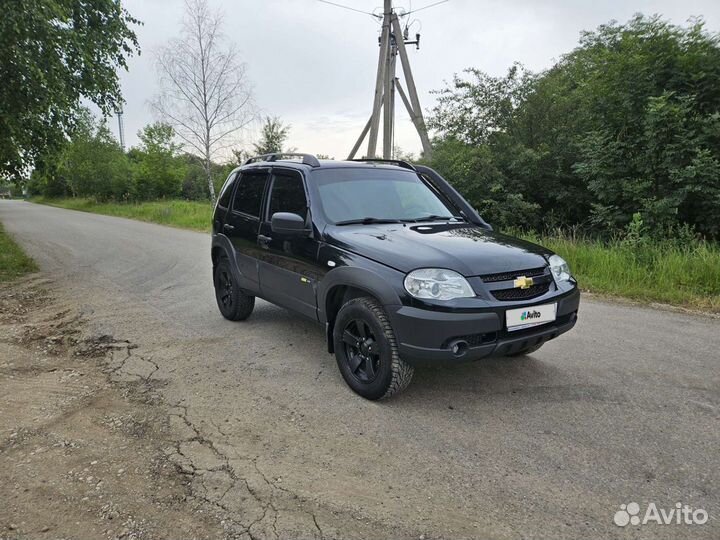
(240, 156)
(472, 109)
(53, 53)
(651, 140)
(627, 123)
(473, 170)
(273, 136)
(477, 149)
(159, 171)
(194, 183)
(92, 163)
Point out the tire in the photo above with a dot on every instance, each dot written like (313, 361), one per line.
(525, 352)
(366, 350)
(233, 303)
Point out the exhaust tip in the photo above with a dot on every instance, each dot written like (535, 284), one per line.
(459, 347)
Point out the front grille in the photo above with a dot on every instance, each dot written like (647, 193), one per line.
(507, 295)
(507, 276)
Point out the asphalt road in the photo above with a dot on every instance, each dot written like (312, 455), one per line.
(624, 408)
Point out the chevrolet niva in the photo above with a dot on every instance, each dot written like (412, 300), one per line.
(393, 261)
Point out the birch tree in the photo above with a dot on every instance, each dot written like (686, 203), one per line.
(205, 94)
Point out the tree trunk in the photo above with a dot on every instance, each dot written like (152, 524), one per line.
(208, 163)
(211, 185)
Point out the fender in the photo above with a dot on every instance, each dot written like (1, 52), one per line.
(223, 243)
(366, 279)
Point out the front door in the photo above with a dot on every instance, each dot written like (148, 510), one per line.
(243, 224)
(288, 266)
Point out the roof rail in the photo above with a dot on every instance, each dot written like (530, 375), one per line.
(307, 159)
(398, 162)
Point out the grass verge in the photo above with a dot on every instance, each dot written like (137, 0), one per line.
(669, 273)
(13, 261)
(193, 215)
(663, 272)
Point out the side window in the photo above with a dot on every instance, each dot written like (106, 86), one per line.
(248, 195)
(288, 195)
(226, 193)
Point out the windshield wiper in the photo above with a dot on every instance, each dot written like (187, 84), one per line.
(434, 217)
(367, 221)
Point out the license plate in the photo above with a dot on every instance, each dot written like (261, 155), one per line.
(517, 319)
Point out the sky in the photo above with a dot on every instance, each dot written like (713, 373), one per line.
(313, 64)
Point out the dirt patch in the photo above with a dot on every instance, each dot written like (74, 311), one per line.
(84, 445)
(90, 448)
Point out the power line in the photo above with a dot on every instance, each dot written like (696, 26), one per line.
(349, 8)
(425, 7)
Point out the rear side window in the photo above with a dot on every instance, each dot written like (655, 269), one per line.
(226, 193)
(249, 193)
(288, 195)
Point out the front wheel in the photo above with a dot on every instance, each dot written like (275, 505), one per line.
(366, 350)
(233, 303)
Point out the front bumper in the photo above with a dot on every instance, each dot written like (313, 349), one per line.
(428, 336)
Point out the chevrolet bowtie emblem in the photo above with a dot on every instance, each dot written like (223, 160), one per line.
(523, 282)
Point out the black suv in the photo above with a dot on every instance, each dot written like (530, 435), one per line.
(390, 258)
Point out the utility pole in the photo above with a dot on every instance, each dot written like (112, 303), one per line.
(379, 82)
(392, 44)
(121, 129)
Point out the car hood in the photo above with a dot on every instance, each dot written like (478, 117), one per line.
(467, 249)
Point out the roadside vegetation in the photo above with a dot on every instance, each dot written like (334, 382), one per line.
(13, 261)
(626, 124)
(194, 215)
(681, 273)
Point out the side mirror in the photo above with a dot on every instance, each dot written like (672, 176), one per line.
(288, 224)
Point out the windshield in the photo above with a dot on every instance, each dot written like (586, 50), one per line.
(357, 195)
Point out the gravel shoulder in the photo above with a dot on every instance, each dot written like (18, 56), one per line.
(89, 449)
(82, 444)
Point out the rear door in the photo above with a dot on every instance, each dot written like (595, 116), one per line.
(223, 203)
(288, 266)
(243, 224)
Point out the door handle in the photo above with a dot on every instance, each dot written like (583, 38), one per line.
(228, 227)
(264, 239)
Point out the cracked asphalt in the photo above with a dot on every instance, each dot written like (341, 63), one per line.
(624, 408)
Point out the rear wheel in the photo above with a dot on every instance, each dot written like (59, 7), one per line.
(524, 352)
(233, 303)
(366, 350)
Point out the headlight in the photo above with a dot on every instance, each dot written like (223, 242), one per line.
(559, 268)
(437, 284)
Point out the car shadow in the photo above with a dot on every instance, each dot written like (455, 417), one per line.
(538, 377)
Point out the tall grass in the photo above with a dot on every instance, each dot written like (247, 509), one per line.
(195, 215)
(680, 273)
(13, 261)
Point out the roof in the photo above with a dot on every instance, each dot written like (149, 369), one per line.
(308, 162)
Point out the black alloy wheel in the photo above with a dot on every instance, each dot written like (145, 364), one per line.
(366, 350)
(225, 290)
(362, 351)
(233, 302)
